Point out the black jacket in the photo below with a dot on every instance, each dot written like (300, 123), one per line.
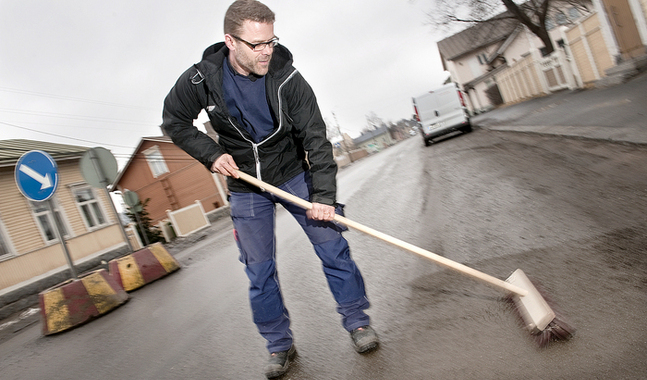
(299, 129)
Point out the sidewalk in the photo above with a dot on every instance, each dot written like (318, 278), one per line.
(616, 114)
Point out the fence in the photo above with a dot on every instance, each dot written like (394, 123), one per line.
(589, 50)
(583, 61)
(533, 76)
(133, 236)
(189, 219)
(556, 71)
(520, 81)
(183, 222)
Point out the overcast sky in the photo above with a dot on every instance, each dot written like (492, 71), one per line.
(95, 73)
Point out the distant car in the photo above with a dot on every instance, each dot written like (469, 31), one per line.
(412, 132)
(441, 111)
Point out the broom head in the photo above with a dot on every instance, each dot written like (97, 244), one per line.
(536, 314)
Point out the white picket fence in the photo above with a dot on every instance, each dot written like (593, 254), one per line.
(534, 76)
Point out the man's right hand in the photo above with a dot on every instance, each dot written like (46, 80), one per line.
(225, 165)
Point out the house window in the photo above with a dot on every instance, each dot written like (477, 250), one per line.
(89, 205)
(155, 161)
(5, 244)
(45, 221)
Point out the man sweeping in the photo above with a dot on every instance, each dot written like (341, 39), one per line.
(270, 127)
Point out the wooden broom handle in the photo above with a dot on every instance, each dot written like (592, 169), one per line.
(491, 280)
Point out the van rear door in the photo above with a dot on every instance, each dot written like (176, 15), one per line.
(449, 107)
(441, 111)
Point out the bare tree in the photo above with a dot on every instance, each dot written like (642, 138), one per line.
(373, 122)
(332, 130)
(531, 13)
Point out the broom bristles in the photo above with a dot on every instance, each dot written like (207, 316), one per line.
(557, 330)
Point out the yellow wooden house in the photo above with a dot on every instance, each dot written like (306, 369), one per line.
(29, 248)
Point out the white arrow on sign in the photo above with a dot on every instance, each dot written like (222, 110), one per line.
(45, 180)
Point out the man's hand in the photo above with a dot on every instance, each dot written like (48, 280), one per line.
(225, 165)
(321, 212)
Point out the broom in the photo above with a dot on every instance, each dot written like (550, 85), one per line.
(536, 314)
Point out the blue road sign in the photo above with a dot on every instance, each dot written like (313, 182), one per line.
(36, 175)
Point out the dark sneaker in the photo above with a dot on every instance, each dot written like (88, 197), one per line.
(279, 362)
(365, 339)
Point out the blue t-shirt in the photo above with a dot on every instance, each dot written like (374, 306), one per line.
(247, 101)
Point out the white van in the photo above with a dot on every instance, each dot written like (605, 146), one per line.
(441, 111)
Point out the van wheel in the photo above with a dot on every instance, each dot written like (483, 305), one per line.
(427, 142)
(467, 129)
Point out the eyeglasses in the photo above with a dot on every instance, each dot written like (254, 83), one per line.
(261, 45)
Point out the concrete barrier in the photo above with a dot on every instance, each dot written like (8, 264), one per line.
(143, 267)
(78, 301)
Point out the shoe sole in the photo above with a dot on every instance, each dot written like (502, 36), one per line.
(367, 348)
(274, 375)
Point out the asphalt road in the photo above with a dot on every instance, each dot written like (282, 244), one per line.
(571, 213)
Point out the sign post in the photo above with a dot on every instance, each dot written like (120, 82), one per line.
(37, 179)
(132, 199)
(99, 169)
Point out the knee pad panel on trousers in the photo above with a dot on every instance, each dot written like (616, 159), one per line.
(264, 291)
(343, 275)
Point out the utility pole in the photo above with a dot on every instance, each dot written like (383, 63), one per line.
(343, 140)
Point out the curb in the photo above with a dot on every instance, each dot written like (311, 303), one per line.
(622, 135)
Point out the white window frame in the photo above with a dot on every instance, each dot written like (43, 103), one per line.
(155, 161)
(45, 212)
(93, 206)
(5, 242)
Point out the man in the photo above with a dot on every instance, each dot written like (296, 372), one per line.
(269, 126)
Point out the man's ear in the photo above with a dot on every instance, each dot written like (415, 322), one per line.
(229, 41)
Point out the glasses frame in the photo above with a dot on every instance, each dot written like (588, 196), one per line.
(255, 47)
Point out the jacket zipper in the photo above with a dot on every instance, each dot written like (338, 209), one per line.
(254, 145)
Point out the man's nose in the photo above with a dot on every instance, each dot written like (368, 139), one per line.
(266, 48)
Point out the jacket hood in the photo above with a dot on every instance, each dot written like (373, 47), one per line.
(213, 49)
(281, 58)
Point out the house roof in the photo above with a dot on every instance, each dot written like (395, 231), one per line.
(11, 150)
(478, 36)
(162, 139)
(479, 79)
(371, 134)
(504, 46)
(166, 139)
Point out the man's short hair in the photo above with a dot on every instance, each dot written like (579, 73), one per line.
(242, 10)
